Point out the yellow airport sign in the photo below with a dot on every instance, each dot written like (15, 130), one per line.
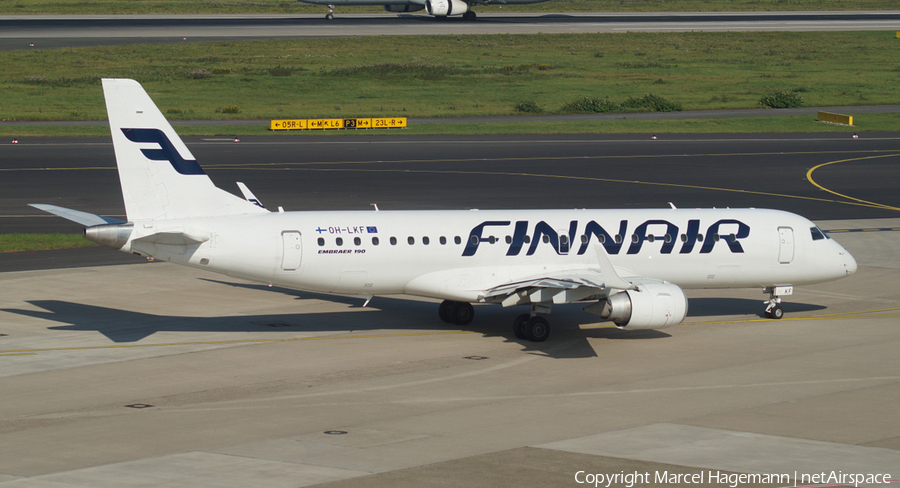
(834, 118)
(287, 125)
(322, 124)
(391, 123)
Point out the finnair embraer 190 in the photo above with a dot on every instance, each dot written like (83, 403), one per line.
(437, 8)
(629, 266)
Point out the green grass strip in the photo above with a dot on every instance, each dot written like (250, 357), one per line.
(771, 124)
(47, 7)
(36, 242)
(448, 76)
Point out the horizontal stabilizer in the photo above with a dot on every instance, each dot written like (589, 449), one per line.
(77, 216)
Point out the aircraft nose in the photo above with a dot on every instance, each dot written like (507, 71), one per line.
(849, 262)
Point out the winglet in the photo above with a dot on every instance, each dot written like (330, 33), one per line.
(610, 277)
(249, 195)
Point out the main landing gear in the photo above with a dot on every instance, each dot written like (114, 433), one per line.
(532, 327)
(469, 16)
(330, 14)
(459, 313)
(528, 326)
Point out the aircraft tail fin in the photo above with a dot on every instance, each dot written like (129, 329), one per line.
(160, 178)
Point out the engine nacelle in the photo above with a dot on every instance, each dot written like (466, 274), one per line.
(443, 8)
(650, 306)
(403, 8)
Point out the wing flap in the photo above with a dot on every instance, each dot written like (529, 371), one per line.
(562, 286)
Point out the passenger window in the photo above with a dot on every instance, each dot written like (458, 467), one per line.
(527, 239)
(509, 239)
(699, 237)
(546, 239)
(411, 240)
(601, 238)
(443, 240)
(651, 238)
(357, 241)
(683, 237)
(426, 240)
(716, 237)
(374, 241)
(618, 238)
(393, 241)
(492, 239)
(457, 240)
(321, 241)
(339, 241)
(564, 240)
(584, 238)
(635, 238)
(474, 240)
(668, 238)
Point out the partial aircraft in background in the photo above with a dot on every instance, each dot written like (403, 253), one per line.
(437, 8)
(629, 266)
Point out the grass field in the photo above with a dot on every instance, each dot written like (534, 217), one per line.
(454, 75)
(34, 242)
(17, 7)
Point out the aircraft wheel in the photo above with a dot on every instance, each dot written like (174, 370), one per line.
(444, 311)
(462, 313)
(469, 16)
(519, 326)
(329, 16)
(537, 329)
(776, 313)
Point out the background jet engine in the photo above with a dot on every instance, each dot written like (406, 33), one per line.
(650, 306)
(443, 8)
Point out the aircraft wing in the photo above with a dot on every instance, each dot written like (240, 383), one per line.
(562, 286)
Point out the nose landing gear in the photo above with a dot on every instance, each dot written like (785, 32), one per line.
(773, 304)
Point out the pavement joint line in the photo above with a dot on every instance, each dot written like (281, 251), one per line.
(12, 352)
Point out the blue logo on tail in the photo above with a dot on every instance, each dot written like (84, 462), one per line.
(166, 151)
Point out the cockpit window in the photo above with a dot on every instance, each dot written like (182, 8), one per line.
(817, 233)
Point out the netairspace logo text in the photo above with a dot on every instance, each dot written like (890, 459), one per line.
(732, 480)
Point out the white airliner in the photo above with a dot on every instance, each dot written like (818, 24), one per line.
(629, 266)
(437, 8)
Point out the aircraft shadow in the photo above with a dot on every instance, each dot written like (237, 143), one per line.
(708, 307)
(567, 340)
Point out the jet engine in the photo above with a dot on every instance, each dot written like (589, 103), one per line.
(403, 8)
(649, 306)
(443, 8)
